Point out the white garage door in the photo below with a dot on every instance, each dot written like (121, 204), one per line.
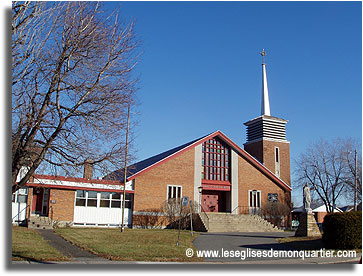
(101, 208)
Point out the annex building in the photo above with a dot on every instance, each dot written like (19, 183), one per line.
(214, 172)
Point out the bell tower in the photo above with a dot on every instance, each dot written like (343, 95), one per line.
(266, 136)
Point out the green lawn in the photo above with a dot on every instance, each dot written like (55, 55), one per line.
(28, 245)
(133, 244)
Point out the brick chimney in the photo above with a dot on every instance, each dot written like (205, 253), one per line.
(88, 170)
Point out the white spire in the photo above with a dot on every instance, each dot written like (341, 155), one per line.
(265, 103)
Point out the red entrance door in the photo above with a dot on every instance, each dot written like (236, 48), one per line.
(211, 201)
(37, 201)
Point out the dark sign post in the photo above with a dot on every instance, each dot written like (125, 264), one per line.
(184, 202)
(191, 217)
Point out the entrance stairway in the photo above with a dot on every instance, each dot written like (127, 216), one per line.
(227, 222)
(39, 222)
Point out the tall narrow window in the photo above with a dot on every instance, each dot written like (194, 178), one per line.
(254, 201)
(215, 160)
(174, 192)
(277, 161)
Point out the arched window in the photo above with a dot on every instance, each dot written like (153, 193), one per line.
(215, 160)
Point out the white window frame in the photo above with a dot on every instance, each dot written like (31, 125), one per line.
(249, 198)
(172, 187)
(99, 200)
(20, 192)
(277, 161)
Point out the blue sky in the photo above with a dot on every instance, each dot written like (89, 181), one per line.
(201, 69)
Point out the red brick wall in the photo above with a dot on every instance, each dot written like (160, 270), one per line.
(264, 151)
(63, 208)
(251, 178)
(255, 150)
(320, 216)
(151, 186)
(269, 158)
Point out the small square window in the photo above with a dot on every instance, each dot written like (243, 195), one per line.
(21, 198)
(80, 202)
(115, 204)
(105, 195)
(92, 194)
(116, 196)
(81, 193)
(92, 203)
(105, 203)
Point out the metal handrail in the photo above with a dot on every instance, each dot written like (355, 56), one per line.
(26, 207)
(257, 211)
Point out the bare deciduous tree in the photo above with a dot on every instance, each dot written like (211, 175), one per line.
(72, 83)
(277, 213)
(327, 168)
(354, 173)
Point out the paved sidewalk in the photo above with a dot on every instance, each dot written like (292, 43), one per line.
(73, 252)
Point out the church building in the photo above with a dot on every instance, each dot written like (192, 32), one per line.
(214, 172)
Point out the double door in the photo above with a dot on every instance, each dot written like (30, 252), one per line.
(213, 201)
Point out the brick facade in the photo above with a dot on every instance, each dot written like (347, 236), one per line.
(63, 208)
(151, 186)
(264, 151)
(250, 178)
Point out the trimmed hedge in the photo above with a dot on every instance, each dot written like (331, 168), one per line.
(343, 230)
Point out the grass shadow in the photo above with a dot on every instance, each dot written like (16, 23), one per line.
(302, 243)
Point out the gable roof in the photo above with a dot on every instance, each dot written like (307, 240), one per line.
(144, 164)
(138, 168)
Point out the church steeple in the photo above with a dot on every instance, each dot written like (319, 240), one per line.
(266, 136)
(265, 102)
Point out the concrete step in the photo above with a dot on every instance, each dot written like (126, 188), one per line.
(225, 222)
(38, 222)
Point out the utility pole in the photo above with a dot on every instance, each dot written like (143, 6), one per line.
(125, 169)
(355, 180)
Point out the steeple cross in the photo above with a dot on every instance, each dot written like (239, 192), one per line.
(263, 54)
